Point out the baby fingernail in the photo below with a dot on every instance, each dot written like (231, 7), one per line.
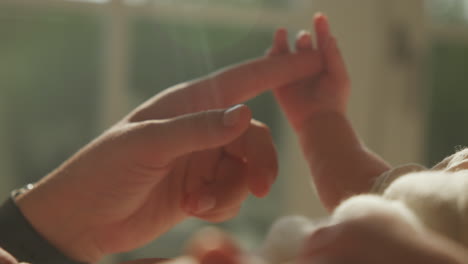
(232, 115)
(303, 33)
(318, 14)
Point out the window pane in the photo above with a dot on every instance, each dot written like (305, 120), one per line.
(49, 70)
(448, 11)
(449, 79)
(166, 53)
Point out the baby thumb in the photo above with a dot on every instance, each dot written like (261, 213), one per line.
(172, 138)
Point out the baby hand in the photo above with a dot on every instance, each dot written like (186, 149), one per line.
(316, 108)
(329, 91)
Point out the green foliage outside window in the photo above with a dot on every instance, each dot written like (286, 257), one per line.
(447, 128)
(448, 11)
(166, 53)
(49, 78)
(50, 89)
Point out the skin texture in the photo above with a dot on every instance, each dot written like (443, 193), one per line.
(323, 129)
(359, 241)
(181, 154)
(316, 108)
(364, 241)
(129, 191)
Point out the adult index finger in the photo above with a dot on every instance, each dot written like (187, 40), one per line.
(230, 86)
(241, 82)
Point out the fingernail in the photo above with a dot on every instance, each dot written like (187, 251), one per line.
(232, 115)
(205, 203)
(303, 33)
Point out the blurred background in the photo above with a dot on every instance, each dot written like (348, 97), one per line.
(70, 69)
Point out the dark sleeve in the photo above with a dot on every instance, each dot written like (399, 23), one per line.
(18, 237)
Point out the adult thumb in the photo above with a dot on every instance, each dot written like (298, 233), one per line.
(175, 137)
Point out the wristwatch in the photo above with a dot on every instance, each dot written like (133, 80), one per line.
(19, 238)
(15, 193)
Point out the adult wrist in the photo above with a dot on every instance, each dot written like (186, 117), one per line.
(49, 212)
(20, 239)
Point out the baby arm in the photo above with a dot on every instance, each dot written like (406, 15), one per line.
(340, 164)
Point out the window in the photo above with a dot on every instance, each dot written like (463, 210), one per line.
(50, 82)
(448, 11)
(165, 52)
(61, 81)
(71, 68)
(448, 77)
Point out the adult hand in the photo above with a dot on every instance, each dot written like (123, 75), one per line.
(379, 238)
(183, 153)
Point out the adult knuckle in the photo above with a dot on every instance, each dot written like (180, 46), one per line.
(146, 133)
(205, 120)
